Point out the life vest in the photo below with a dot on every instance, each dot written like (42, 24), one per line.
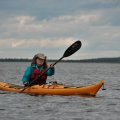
(35, 74)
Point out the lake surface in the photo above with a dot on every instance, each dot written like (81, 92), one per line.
(105, 106)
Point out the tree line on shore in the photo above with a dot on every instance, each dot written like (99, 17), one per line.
(96, 60)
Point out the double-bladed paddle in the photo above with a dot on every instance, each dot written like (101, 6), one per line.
(70, 50)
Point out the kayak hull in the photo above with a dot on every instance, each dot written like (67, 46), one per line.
(54, 89)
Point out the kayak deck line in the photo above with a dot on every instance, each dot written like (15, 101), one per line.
(11, 85)
(54, 89)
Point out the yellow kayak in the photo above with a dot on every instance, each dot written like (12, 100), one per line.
(54, 89)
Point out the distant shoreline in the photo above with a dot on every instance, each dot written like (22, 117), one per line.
(96, 60)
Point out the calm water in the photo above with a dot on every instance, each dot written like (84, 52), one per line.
(105, 106)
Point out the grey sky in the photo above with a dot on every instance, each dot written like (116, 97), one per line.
(50, 26)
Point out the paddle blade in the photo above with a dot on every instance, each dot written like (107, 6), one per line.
(73, 48)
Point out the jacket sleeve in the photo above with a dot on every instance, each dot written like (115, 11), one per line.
(51, 71)
(27, 73)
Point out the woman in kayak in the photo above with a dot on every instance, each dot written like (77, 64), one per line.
(38, 67)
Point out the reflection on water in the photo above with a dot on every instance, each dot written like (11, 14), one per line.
(105, 106)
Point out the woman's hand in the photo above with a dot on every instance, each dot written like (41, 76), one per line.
(26, 83)
(51, 66)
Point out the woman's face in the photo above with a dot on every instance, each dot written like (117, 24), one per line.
(39, 61)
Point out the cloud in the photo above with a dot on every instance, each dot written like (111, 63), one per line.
(45, 26)
(22, 20)
(15, 44)
(30, 27)
(32, 43)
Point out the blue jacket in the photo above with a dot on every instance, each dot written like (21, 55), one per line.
(29, 70)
